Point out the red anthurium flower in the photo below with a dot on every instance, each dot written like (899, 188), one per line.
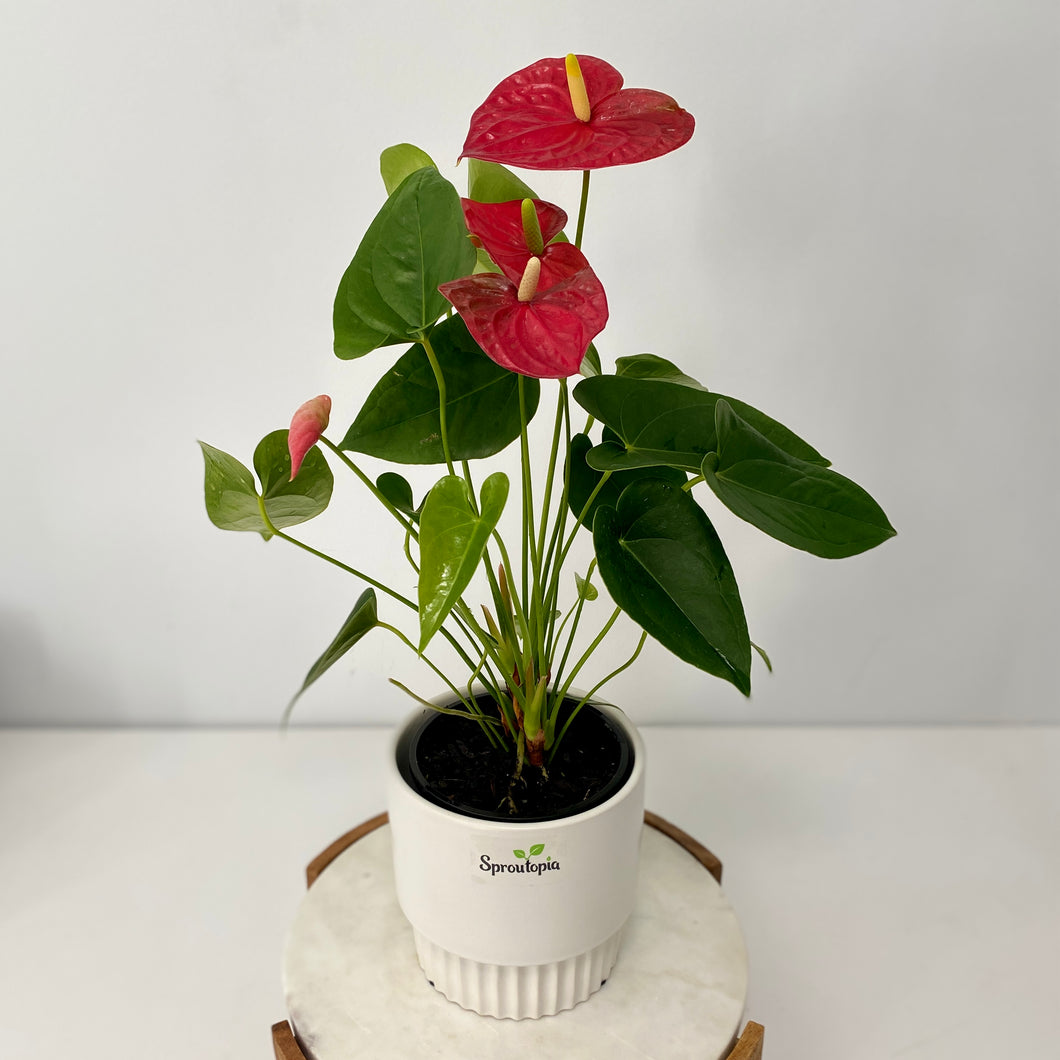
(501, 228)
(307, 425)
(530, 328)
(574, 114)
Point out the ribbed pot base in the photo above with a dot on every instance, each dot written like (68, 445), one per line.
(517, 992)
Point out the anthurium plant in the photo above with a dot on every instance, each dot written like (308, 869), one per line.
(499, 308)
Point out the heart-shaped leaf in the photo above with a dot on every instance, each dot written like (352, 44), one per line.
(664, 565)
(586, 589)
(399, 420)
(664, 423)
(288, 503)
(422, 243)
(453, 538)
(359, 621)
(390, 290)
(232, 497)
(806, 506)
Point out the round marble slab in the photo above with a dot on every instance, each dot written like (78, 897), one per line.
(354, 988)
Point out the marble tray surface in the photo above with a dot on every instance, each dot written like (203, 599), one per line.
(353, 986)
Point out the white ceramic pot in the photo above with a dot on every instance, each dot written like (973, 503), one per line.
(509, 935)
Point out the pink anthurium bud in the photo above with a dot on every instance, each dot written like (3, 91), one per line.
(573, 113)
(307, 425)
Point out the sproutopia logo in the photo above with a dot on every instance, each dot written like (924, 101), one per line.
(525, 862)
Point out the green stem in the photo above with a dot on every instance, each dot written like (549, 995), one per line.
(443, 429)
(581, 208)
(457, 646)
(408, 554)
(553, 455)
(596, 688)
(471, 706)
(694, 482)
(438, 673)
(551, 600)
(520, 614)
(577, 610)
(407, 523)
(553, 589)
(482, 719)
(587, 654)
(332, 560)
(465, 467)
(533, 604)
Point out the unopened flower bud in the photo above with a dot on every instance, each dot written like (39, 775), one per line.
(307, 425)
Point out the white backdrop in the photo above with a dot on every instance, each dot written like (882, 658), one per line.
(861, 239)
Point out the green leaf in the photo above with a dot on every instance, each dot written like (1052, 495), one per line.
(664, 565)
(390, 290)
(399, 420)
(288, 503)
(398, 491)
(590, 365)
(648, 366)
(583, 479)
(484, 263)
(586, 589)
(519, 853)
(400, 161)
(231, 498)
(423, 242)
(661, 423)
(354, 337)
(801, 504)
(359, 621)
(452, 540)
(536, 849)
(491, 182)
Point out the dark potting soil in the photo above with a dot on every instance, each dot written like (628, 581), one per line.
(462, 770)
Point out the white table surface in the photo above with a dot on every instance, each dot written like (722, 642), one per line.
(898, 889)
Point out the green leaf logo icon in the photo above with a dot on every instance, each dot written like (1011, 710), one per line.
(536, 849)
(521, 853)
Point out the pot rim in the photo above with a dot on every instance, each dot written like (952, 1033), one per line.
(616, 716)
